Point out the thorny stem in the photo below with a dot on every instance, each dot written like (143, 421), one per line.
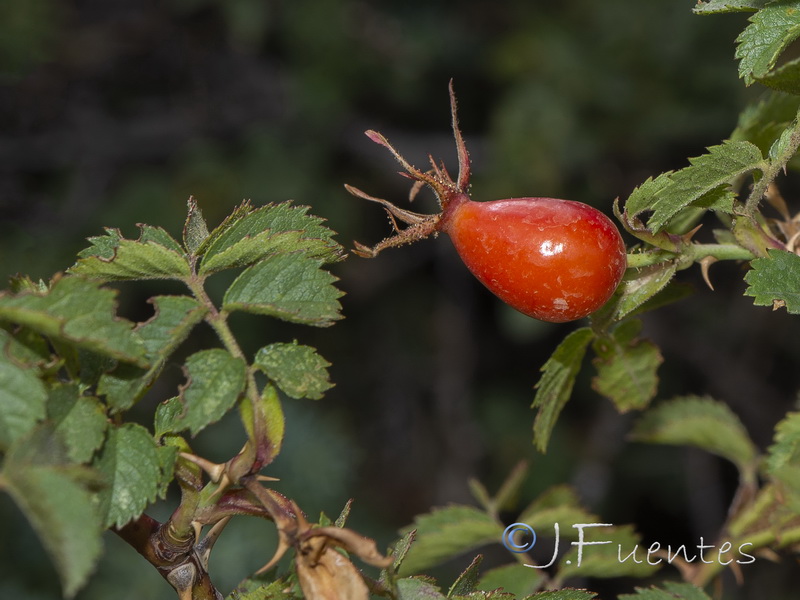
(773, 169)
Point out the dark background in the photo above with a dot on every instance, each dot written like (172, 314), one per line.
(114, 112)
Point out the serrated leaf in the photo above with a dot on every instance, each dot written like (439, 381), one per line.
(704, 182)
(418, 588)
(291, 287)
(25, 347)
(774, 280)
(643, 196)
(401, 548)
(134, 468)
(174, 318)
(626, 367)
(673, 590)
(448, 532)
(195, 230)
(701, 422)
(158, 235)
(167, 417)
(296, 369)
(555, 385)
(783, 460)
(215, 381)
(78, 313)
(22, 402)
(114, 258)
(516, 579)
(253, 234)
(468, 580)
(62, 513)
(763, 122)
(79, 420)
(785, 78)
(606, 552)
(558, 504)
(770, 32)
(728, 6)
(563, 594)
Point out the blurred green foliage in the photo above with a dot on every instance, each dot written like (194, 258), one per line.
(113, 113)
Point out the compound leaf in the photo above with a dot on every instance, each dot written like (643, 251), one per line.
(292, 287)
(174, 318)
(215, 380)
(770, 32)
(774, 280)
(701, 422)
(626, 367)
(134, 468)
(296, 369)
(447, 532)
(113, 258)
(555, 385)
(78, 313)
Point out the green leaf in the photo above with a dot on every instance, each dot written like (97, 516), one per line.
(640, 285)
(24, 347)
(555, 386)
(418, 588)
(215, 380)
(79, 420)
(22, 402)
(607, 552)
(134, 468)
(251, 235)
(728, 6)
(468, 580)
(195, 230)
(175, 317)
(770, 32)
(563, 594)
(62, 513)
(626, 367)
(700, 422)
(783, 460)
(167, 417)
(269, 414)
(558, 504)
(291, 287)
(774, 281)
(643, 197)
(159, 235)
(298, 370)
(114, 258)
(78, 313)
(673, 590)
(785, 78)
(258, 590)
(705, 182)
(516, 579)
(763, 122)
(401, 548)
(448, 532)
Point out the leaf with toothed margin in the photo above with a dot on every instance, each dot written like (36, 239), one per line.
(78, 313)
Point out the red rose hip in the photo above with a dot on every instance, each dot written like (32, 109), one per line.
(554, 260)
